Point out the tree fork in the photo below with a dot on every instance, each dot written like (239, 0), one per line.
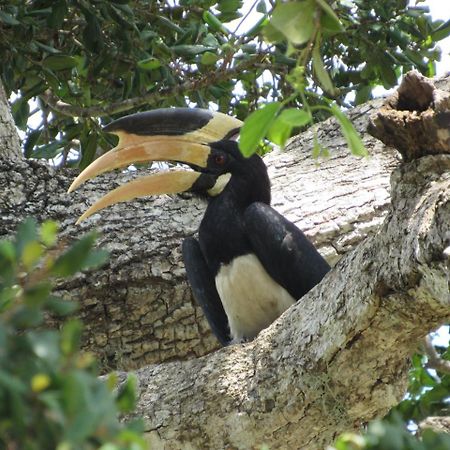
(337, 358)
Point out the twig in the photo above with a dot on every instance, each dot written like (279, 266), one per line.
(434, 360)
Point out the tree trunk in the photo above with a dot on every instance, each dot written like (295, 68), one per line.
(337, 358)
(9, 139)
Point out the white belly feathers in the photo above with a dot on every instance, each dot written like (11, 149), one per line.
(251, 298)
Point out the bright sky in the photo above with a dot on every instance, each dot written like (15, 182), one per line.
(440, 9)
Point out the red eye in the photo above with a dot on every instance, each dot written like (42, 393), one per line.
(220, 159)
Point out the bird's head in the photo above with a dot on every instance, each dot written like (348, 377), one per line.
(198, 138)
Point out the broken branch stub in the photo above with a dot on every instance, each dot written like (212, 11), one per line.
(415, 119)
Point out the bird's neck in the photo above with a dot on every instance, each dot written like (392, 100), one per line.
(222, 230)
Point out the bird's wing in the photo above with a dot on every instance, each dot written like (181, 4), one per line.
(284, 251)
(204, 289)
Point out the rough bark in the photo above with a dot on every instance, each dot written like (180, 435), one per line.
(138, 309)
(9, 139)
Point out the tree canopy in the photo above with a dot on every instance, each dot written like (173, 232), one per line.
(88, 62)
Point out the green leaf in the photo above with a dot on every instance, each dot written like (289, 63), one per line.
(126, 399)
(8, 19)
(11, 383)
(363, 94)
(261, 7)
(88, 149)
(441, 32)
(213, 22)
(354, 141)
(30, 142)
(272, 34)
(37, 294)
(387, 70)
(59, 11)
(256, 127)
(60, 62)
(7, 252)
(48, 233)
(190, 50)
(295, 20)
(281, 129)
(279, 132)
(295, 117)
(48, 151)
(60, 306)
(333, 24)
(26, 233)
(149, 64)
(78, 257)
(45, 345)
(47, 48)
(71, 337)
(31, 254)
(96, 258)
(319, 150)
(92, 33)
(20, 110)
(7, 273)
(321, 72)
(209, 58)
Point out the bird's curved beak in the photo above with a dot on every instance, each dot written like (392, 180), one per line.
(176, 134)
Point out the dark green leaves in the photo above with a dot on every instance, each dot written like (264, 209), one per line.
(103, 53)
(321, 73)
(59, 62)
(20, 110)
(190, 50)
(8, 19)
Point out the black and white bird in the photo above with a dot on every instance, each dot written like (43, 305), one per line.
(249, 263)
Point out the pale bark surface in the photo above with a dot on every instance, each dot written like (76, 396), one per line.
(139, 309)
(9, 139)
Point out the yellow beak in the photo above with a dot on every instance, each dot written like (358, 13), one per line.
(146, 149)
(179, 135)
(171, 182)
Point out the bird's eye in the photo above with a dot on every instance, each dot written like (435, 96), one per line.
(220, 159)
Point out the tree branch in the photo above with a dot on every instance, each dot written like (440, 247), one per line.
(434, 360)
(151, 98)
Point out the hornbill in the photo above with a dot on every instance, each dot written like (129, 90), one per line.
(249, 263)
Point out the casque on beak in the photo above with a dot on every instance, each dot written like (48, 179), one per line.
(179, 135)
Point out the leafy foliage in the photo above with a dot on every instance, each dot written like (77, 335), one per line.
(50, 393)
(428, 395)
(383, 435)
(84, 60)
